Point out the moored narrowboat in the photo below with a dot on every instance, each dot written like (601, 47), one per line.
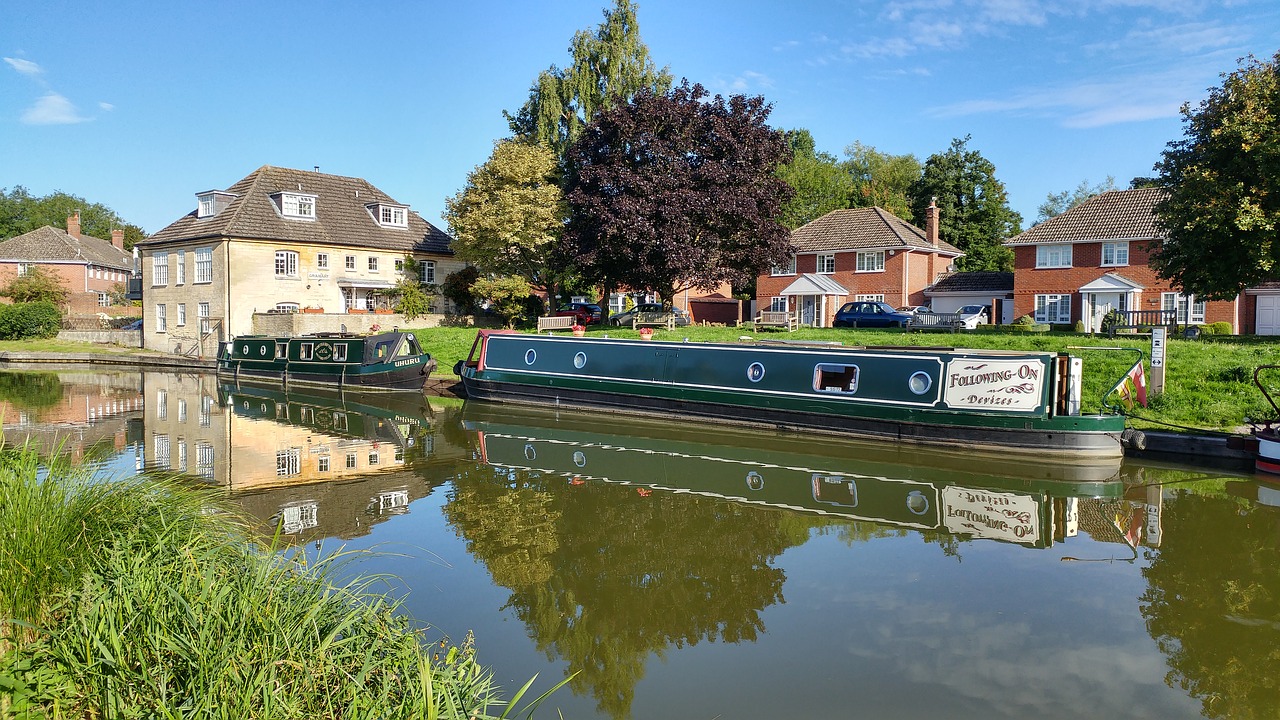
(384, 361)
(1024, 402)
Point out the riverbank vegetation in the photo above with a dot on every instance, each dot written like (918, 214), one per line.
(1208, 382)
(144, 598)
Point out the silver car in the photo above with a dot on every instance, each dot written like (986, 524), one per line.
(973, 316)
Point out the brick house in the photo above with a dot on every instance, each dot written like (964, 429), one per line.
(856, 254)
(92, 270)
(280, 241)
(1093, 258)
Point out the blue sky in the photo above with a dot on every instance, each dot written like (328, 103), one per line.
(140, 105)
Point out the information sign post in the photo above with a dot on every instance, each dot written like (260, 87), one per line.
(1158, 337)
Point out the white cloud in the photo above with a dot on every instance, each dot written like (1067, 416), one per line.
(52, 109)
(26, 67)
(106, 106)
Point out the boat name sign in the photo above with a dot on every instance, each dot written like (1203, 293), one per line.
(994, 515)
(1013, 385)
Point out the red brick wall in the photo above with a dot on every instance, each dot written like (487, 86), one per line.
(901, 283)
(82, 289)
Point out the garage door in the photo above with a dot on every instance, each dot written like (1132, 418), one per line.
(1268, 315)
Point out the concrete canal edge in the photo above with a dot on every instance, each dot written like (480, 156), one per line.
(1217, 450)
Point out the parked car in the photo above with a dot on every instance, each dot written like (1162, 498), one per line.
(583, 313)
(870, 314)
(915, 309)
(624, 318)
(973, 316)
(135, 325)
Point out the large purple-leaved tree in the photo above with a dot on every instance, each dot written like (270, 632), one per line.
(676, 191)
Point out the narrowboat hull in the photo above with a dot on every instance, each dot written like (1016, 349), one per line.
(954, 398)
(379, 363)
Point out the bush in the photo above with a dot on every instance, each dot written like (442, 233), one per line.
(1217, 328)
(29, 320)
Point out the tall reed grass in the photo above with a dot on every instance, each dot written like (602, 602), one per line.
(131, 599)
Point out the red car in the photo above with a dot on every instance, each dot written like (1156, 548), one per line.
(583, 313)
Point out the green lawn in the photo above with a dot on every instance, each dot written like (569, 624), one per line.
(1208, 383)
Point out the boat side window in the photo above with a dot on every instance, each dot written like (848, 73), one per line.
(382, 349)
(406, 349)
(282, 350)
(833, 378)
(411, 343)
(306, 351)
(340, 352)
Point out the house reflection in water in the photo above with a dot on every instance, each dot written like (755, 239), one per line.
(313, 465)
(69, 412)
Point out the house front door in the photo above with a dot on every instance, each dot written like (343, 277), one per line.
(808, 310)
(1097, 305)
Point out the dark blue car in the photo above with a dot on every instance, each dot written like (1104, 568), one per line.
(865, 313)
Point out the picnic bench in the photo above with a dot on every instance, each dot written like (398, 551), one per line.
(926, 321)
(775, 318)
(556, 322)
(654, 320)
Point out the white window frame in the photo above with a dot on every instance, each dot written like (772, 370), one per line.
(392, 216)
(322, 261)
(826, 263)
(778, 303)
(160, 269)
(208, 204)
(286, 264)
(875, 297)
(202, 313)
(297, 205)
(373, 263)
(23, 269)
(161, 456)
(180, 319)
(1050, 308)
(340, 352)
(1118, 252)
(871, 261)
(204, 265)
(350, 263)
(1187, 310)
(162, 323)
(427, 272)
(1053, 255)
(104, 299)
(204, 459)
(399, 265)
(287, 307)
(789, 269)
(288, 462)
(180, 272)
(322, 463)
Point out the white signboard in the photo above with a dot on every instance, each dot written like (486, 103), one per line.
(1158, 335)
(1011, 385)
(993, 515)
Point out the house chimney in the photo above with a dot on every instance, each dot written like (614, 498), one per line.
(117, 238)
(73, 225)
(931, 222)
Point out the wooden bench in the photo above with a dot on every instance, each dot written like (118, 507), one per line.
(555, 322)
(923, 321)
(654, 320)
(774, 318)
(1139, 319)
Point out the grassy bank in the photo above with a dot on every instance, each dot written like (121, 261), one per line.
(131, 599)
(1208, 383)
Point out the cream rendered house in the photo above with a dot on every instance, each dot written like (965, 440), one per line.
(280, 241)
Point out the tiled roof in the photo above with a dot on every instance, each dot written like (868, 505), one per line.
(49, 243)
(341, 218)
(983, 281)
(862, 228)
(1113, 215)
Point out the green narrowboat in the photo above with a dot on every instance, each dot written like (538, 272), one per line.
(1020, 402)
(384, 361)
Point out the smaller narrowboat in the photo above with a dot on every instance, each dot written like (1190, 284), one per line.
(385, 361)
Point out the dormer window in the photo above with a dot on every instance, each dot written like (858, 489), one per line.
(212, 202)
(389, 215)
(296, 205)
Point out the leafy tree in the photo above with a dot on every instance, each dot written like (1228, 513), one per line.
(819, 183)
(676, 191)
(1221, 214)
(21, 212)
(1057, 203)
(881, 179)
(412, 299)
(975, 212)
(506, 296)
(508, 218)
(38, 285)
(457, 287)
(1143, 182)
(608, 67)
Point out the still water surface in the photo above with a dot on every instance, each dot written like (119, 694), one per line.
(681, 571)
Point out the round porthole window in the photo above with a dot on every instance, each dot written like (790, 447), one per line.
(529, 452)
(262, 350)
(755, 372)
(920, 382)
(755, 481)
(244, 349)
(580, 360)
(530, 356)
(580, 459)
(917, 503)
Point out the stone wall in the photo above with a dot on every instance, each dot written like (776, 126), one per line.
(127, 338)
(293, 324)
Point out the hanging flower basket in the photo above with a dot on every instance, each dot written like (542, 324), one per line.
(578, 330)
(646, 333)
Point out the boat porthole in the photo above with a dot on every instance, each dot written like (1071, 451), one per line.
(530, 356)
(262, 408)
(579, 459)
(245, 404)
(529, 452)
(755, 372)
(755, 481)
(920, 382)
(580, 360)
(244, 349)
(262, 350)
(917, 503)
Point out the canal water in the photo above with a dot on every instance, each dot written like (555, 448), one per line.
(676, 570)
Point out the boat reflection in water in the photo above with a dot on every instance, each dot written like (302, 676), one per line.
(971, 495)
